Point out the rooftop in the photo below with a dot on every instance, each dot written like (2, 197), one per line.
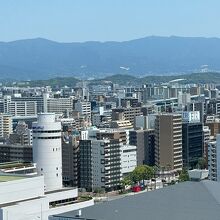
(188, 200)
(14, 165)
(7, 178)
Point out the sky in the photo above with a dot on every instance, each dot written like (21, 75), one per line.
(107, 20)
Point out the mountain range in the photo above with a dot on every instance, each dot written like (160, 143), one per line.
(42, 59)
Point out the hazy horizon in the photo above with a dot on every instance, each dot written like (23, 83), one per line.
(156, 36)
(115, 20)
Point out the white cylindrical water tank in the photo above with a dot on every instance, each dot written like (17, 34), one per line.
(47, 152)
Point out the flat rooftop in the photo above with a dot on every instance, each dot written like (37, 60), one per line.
(7, 178)
(14, 165)
(184, 201)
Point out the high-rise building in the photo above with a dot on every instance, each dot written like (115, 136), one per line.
(144, 140)
(47, 151)
(214, 159)
(100, 164)
(197, 106)
(5, 125)
(206, 139)
(168, 141)
(193, 146)
(70, 158)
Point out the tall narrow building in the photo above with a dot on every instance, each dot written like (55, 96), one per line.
(168, 141)
(192, 135)
(47, 152)
(5, 125)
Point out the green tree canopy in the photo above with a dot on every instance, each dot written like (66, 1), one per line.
(184, 176)
(142, 172)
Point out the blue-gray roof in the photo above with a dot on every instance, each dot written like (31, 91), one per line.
(184, 201)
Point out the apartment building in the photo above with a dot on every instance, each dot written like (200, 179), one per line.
(126, 114)
(116, 134)
(168, 141)
(5, 125)
(128, 159)
(213, 160)
(100, 164)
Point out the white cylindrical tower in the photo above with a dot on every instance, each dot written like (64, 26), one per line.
(47, 152)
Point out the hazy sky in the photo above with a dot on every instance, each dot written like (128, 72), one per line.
(104, 20)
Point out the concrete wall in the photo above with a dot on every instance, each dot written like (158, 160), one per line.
(22, 189)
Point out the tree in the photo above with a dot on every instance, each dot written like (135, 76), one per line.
(184, 176)
(126, 181)
(141, 173)
(202, 163)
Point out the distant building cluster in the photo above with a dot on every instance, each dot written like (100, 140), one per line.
(92, 136)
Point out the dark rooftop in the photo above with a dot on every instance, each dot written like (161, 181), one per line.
(184, 201)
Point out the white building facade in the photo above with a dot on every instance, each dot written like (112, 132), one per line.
(47, 152)
(128, 159)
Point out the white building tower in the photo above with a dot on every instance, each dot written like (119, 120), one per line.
(47, 152)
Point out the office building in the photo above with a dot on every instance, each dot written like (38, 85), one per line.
(192, 140)
(20, 108)
(70, 158)
(197, 106)
(47, 152)
(58, 105)
(38, 99)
